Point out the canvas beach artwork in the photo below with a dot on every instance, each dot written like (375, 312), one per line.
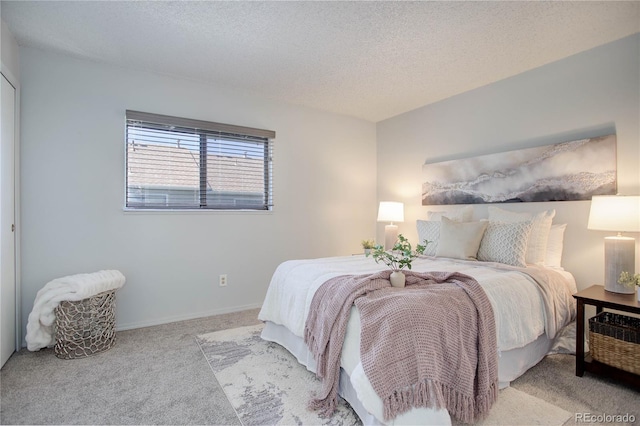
(567, 171)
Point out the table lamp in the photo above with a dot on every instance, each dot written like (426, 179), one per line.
(618, 213)
(390, 211)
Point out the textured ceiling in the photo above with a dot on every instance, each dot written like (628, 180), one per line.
(371, 60)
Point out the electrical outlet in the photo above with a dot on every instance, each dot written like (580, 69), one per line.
(223, 280)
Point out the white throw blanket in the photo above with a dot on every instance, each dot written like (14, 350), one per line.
(40, 330)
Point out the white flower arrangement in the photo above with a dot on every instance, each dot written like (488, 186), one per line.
(629, 280)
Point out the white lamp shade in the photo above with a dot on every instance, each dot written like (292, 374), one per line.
(391, 211)
(618, 213)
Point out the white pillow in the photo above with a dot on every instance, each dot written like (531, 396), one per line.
(462, 214)
(539, 237)
(505, 242)
(553, 256)
(460, 240)
(429, 230)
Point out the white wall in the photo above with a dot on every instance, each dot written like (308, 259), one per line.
(9, 49)
(590, 94)
(72, 171)
(73, 182)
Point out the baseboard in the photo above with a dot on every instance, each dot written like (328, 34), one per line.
(167, 320)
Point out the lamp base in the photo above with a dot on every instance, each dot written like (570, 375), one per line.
(619, 256)
(390, 236)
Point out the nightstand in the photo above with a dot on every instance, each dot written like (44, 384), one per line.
(597, 296)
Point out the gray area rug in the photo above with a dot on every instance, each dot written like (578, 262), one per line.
(266, 385)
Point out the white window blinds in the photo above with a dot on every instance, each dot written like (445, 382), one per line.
(178, 163)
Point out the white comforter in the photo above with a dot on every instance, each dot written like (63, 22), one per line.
(516, 298)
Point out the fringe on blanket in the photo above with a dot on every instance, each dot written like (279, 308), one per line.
(326, 403)
(324, 406)
(430, 394)
(314, 347)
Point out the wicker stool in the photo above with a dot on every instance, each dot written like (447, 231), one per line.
(85, 327)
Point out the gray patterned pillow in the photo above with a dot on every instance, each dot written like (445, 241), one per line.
(538, 240)
(505, 243)
(429, 230)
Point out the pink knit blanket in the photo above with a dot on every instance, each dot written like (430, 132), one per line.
(430, 344)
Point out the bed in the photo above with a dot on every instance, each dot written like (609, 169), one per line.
(532, 303)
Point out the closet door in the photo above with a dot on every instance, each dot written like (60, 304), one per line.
(7, 227)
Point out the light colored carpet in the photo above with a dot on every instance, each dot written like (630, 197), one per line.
(158, 375)
(152, 376)
(266, 385)
(554, 380)
(518, 408)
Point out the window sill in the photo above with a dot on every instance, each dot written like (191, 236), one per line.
(128, 211)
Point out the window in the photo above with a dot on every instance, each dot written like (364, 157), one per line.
(178, 163)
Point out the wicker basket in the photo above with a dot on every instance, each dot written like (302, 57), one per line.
(615, 340)
(85, 327)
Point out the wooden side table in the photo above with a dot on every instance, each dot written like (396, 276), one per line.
(597, 296)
